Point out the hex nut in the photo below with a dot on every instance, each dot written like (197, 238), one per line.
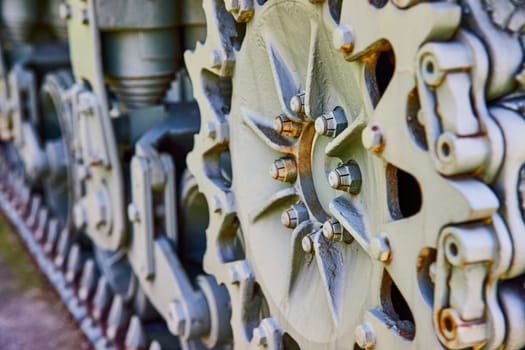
(346, 178)
(332, 229)
(259, 336)
(380, 248)
(365, 336)
(372, 138)
(307, 244)
(284, 126)
(176, 318)
(293, 216)
(284, 169)
(343, 38)
(297, 104)
(64, 11)
(80, 216)
(133, 213)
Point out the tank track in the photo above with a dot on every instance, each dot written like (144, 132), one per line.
(106, 320)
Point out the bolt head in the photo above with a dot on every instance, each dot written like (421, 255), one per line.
(242, 10)
(216, 204)
(373, 138)
(332, 229)
(364, 336)
(85, 17)
(211, 130)
(343, 38)
(293, 216)
(133, 212)
(79, 216)
(321, 125)
(64, 11)
(307, 244)
(83, 172)
(284, 169)
(176, 318)
(232, 5)
(346, 178)
(380, 248)
(259, 336)
(287, 127)
(216, 59)
(297, 104)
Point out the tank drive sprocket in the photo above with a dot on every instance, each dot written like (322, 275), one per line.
(348, 191)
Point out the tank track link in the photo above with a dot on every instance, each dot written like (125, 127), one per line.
(106, 319)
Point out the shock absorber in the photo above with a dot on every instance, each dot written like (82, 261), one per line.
(140, 48)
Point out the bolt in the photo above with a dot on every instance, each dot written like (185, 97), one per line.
(242, 10)
(307, 244)
(284, 169)
(331, 124)
(216, 59)
(85, 105)
(343, 38)
(332, 229)
(212, 130)
(133, 213)
(85, 17)
(64, 11)
(346, 178)
(216, 204)
(83, 172)
(234, 275)
(373, 138)
(297, 103)
(259, 336)
(79, 216)
(432, 272)
(380, 248)
(364, 336)
(232, 5)
(176, 318)
(293, 216)
(287, 127)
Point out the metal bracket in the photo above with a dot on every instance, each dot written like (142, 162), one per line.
(98, 146)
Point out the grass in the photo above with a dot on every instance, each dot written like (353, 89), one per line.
(15, 258)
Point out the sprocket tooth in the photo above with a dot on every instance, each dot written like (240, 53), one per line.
(88, 281)
(62, 249)
(42, 224)
(118, 320)
(101, 300)
(74, 265)
(136, 338)
(32, 219)
(52, 235)
(155, 345)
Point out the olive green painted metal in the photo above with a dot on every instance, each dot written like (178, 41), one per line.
(280, 174)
